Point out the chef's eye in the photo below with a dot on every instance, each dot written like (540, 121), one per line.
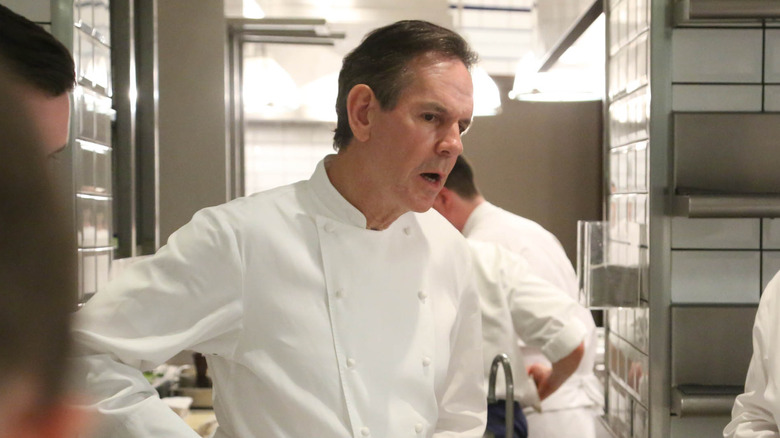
(429, 117)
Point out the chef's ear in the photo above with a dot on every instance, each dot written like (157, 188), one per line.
(360, 100)
(443, 200)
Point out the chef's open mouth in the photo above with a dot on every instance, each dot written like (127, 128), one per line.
(432, 177)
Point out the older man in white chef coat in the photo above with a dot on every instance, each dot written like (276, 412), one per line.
(569, 411)
(337, 306)
(756, 412)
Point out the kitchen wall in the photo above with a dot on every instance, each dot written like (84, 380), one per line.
(541, 160)
(720, 261)
(698, 271)
(192, 120)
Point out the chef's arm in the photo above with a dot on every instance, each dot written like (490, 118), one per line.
(754, 413)
(186, 297)
(542, 314)
(462, 405)
(550, 379)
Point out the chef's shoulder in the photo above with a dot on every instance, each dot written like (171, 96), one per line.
(278, 201)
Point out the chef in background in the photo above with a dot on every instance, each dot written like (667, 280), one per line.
(756, 412)
(333, 307)
(514, 303)
(571, 410)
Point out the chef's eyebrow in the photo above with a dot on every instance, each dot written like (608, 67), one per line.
(441, 109)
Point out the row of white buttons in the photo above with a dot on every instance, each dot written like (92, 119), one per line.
(418, 428)
(339, 293)
(331, 227)
(351, 362)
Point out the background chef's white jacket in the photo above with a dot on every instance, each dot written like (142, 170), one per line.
(756, 412)
(312, 324)
(547, 260)
(514, 303)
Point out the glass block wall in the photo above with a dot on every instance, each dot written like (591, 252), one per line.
(92, 146)
(627, 148)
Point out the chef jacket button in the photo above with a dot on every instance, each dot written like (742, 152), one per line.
(418, 427)
(350, 362)
(426, 361)
(422, 296)
(407, 231)
(329, 227)
(339, 293)
(365, 431)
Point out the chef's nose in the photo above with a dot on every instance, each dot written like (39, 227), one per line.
(451, 143)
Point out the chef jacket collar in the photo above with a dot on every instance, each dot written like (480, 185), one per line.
(341, 209)
(482, 209)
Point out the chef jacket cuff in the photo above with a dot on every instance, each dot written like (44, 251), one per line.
(565, 341)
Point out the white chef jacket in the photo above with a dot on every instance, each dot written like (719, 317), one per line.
(313, 326)
(548, 260)
(756, 412)
(515, 302)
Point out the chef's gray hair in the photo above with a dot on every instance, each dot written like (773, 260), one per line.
(381, 62)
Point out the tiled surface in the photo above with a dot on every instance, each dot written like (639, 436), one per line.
(92, 151)
(716, 97)
(772, 98)
(628, 106)
(698, 426)
(717, 55)
(716, 233)
(772, 56)
(770, 266)
(724, 277)
(770, 229)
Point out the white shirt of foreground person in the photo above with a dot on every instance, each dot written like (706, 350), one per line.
(312, 324)
(570, 410)
(514, 303)
(756, 412)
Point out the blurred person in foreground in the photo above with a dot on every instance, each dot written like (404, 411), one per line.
(571, 410)
(41, 71)
(37, 283)
(336, 306)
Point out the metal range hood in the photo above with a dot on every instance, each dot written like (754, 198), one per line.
(580, 25)
(692, 12)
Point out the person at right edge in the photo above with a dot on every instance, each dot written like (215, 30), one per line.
(569, 411)
(756, 412)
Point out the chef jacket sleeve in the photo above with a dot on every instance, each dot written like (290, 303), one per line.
(463, 406)
(543, 315)
(755, 412)
(187, 297)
